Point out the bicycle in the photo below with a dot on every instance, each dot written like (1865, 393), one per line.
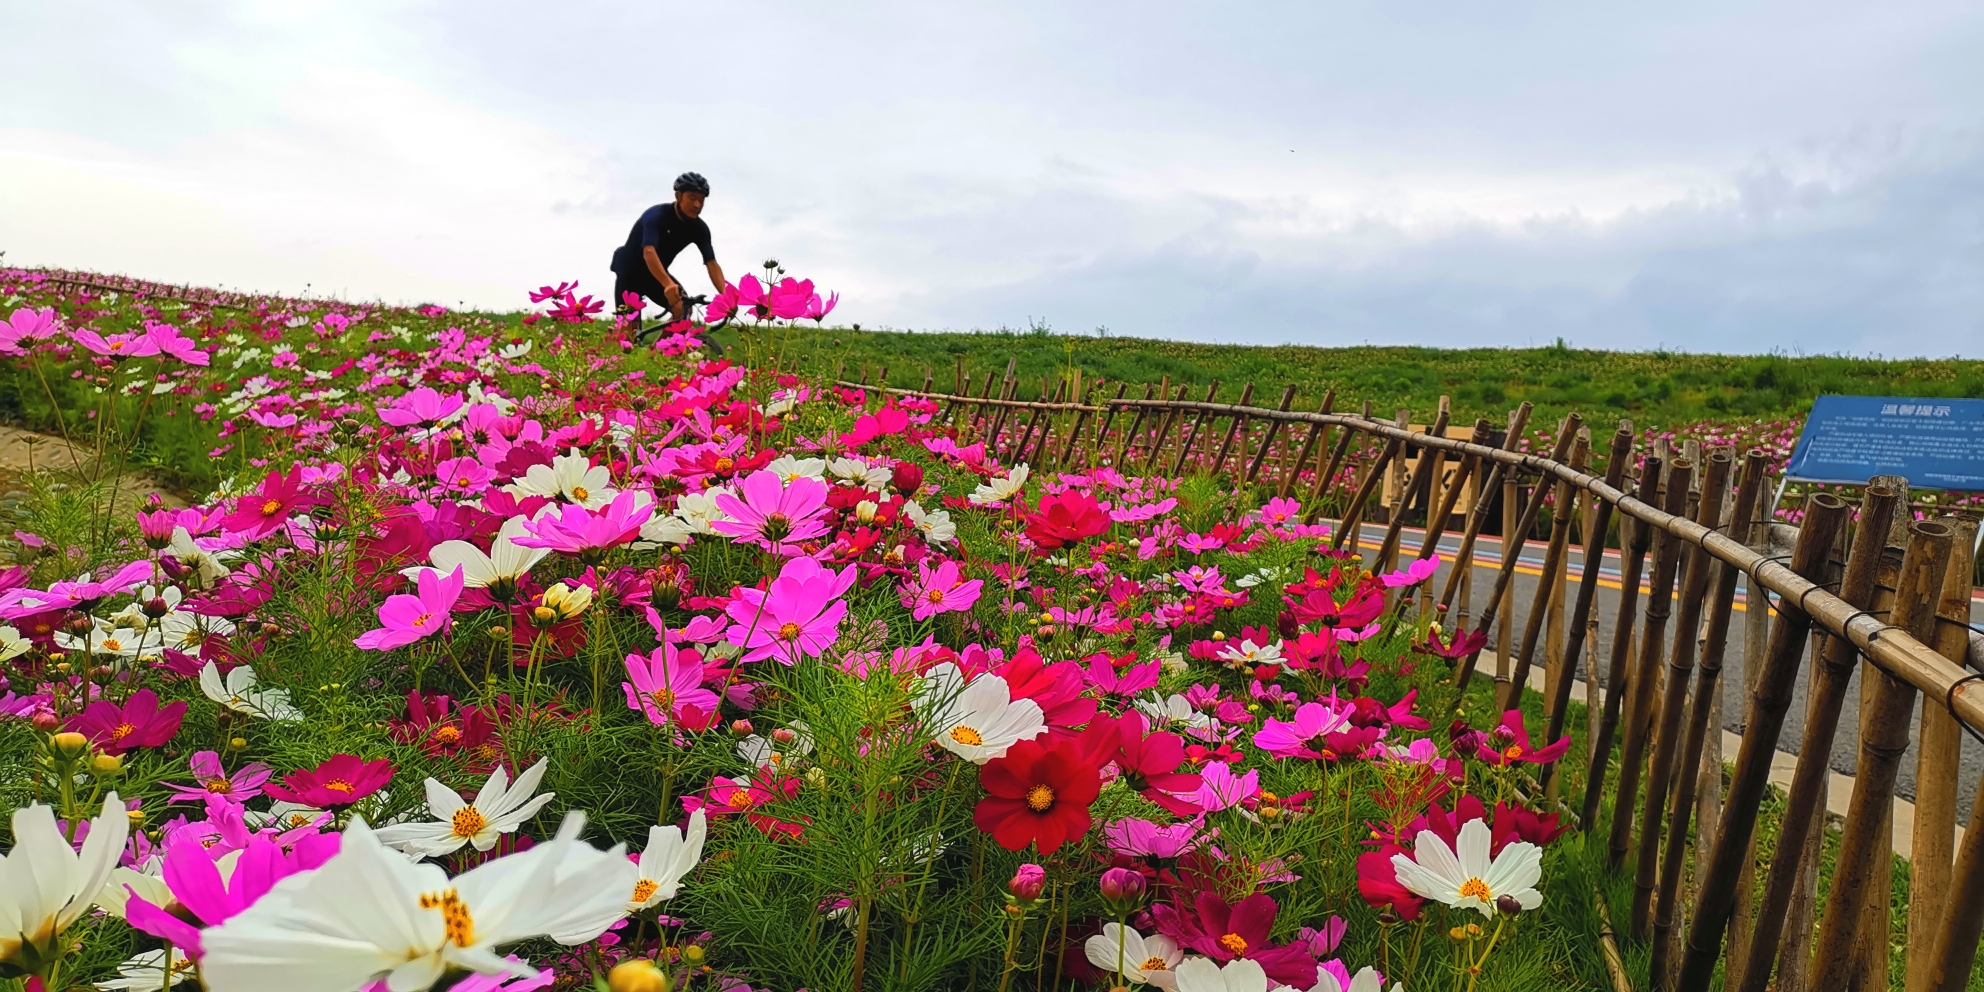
(651, 332)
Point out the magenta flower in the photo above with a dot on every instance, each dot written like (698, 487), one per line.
(167, 340)
(773, 513)
(245, 784)
(939, 590)
(1509, 743)
(1219, 788)
(585, 534)
(83, 594)
(123, 344)
(667, 684)
(340, 781)
(138, 722)
(263, 512)
(816, 310)
(404, 619)
(192, 872)
(798, 616)
(1138, 838)
(1127, 681)
(1308, 736)
(25, 329)
(1419, 571)
(464, 474)
(422, 407)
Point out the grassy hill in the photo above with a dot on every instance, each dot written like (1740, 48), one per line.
(1653, 388)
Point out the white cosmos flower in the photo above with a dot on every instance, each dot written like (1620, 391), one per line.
(208, 567)
(699, 510)
(46, 886)
(763, 752)
(499, 808)
(1464, 877)
(104, 638)
(1366, 980)
(790, 468)
(671, 853)
(1003, 488)
(506, 562)
(571, 478)
(1151, 960)
(1248, 653)
(188, 632)
(147, 880)
(1172, 710)
(665, 528)
(239, 694)
(12, 644)
(977, 720)
(856, 470)
(1206, 975)
(148, 970)
(370, 914)
(936, 525)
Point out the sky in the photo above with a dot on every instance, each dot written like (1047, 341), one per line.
(1803, 177)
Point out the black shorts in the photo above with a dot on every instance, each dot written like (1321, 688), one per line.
(639, 281)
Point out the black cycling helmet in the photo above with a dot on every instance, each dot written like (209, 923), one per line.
(692, 182)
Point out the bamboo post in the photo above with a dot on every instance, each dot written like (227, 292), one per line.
(1635, 538)
(1433, 492)
(1824, 514)
(1327, 476)
(1274, 427)
(1955, 947)
(1436, 522)
(1008, 386)
(1941, 740)
(1192, 436)
(1566, 434)
(1594, 561)
(1353, 515)
(976, 418)
(1646, 674)
(1869, 970)
(1464, 556)
(1130, 436)
(1419, 476)
(1317, 432)
(1108, 420)
(1883, 740)
(1505, 654)
(1393, 497)
(1546, 585)
(1033, 421)
(1232, 429)
(1673, 706)
(1162, 436)
(1062, 390)
(1688, 772)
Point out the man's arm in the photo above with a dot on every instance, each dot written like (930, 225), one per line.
(669, 287)
(716, 275)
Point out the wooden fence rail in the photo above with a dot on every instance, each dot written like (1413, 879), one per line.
(1893, 599)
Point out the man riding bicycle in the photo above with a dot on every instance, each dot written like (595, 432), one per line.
(641, 265)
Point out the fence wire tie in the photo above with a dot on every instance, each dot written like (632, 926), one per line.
(1949, 702)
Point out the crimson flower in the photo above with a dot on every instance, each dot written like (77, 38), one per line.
(1320, 606)
(264, 511)
(1459, 644)
(1509, 743)
(1377, 882)
(1066, 518)
(138, 722)
(728, 796)
(1150, 765)
(340, 781)
(1057, 688)
(1514, 823)
(1226, 933)
(1037, 795)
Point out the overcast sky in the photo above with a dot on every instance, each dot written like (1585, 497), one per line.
(1804, 176)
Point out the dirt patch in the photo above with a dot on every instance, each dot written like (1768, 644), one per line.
(23, 451)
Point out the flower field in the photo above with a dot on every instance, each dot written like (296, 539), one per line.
(517, 655)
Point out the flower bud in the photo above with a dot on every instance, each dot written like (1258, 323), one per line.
(784, 735)
(45, 720)
(70, 744)
(694, 954)
(136, 818)
(1027, 883)
(499, 633)
(638, 975)
(1508, 904)
(237, 743)
(740, 728)
(157, 607)
(106, 765)
(1219, 635)
(1123, 888)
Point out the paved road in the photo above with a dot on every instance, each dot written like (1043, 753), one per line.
(1846, 743)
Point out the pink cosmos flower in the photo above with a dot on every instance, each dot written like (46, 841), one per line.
(192, 872)
(82, 594)
(1281, 510)
(722, 304)
(422, 407)
(939, 590)
(1138, 838)
(1219, 788)
(1199, 544)
(667, 684)
(1419, 571)
(816, 310)
(1126, 681)
(404, 619)
(464, 475)
(1308, 735)
(1509, 743)
(168, 340)
(138, 722)
(124, 344)
(245, 784)
(25, 329)
(771, 512)
(589, 534)
(341, 780)
(264, 511)
(798, 616)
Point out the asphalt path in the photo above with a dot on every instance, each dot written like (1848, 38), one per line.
(1529, 566)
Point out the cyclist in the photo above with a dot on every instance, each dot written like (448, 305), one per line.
(641, 265)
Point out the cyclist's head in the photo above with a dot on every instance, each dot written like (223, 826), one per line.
(690, 190)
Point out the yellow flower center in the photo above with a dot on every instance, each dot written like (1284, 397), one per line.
(1040, 798)
(269, 508)
(421, 620)
(123, 730)
(580, 495)
(338, 785)
(643, 889)
(1234, 944)
(1474, 887)
(447, 735)
(1514, 752)
(220, 786)
(1153, 964)
(663, 698)
(456, 922)
(741, 799)
(725, 464)
(966, 736)
(788, 631)
(468, 821)
(934, 595)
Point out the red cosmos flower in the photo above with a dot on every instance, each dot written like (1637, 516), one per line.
(1056, 687)
(1377, 882)
(1509, 743)
(728, 797)
(1459, 645)
(138, 722)
(1037, 795)
(341, 781)
(712, 465)
(1320, 606)
(263, 512)
(1513, 823)
(1225, 933)
(469, 733)
(1150, 762)
(1065, 518)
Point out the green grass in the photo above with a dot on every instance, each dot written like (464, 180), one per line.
(1656, 388)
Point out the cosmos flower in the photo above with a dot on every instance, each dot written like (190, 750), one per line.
(570, 478)
(404, 619)
(1151, 960)
(339, 781)
(773, 513)
(238, 693)
(940, 590)
(797, 616)
(1037, 795)
(214, 780)
(1002, 488)
(1465, 877)
(500, 807)
(671, 854)
(497, 571)
(137, 722)
(976, 720)
(46, 885)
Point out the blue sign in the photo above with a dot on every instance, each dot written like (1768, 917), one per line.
(1933, 443)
